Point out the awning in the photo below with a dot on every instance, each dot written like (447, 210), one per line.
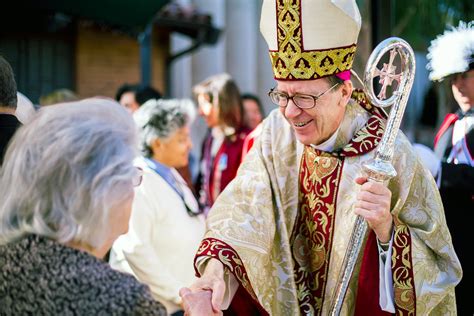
(127, 14)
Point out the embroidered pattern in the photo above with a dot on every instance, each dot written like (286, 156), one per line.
(368, 137)
(402, 271)
(362, 99)
(312, 238)
(217, 249)
(291, 61)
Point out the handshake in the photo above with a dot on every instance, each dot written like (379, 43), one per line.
(198, 302)
(205, 296)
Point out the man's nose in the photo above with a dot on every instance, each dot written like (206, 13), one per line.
(291, 110)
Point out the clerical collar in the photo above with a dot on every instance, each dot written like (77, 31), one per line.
(327, 145)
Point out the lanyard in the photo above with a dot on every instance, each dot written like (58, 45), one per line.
(167, 175)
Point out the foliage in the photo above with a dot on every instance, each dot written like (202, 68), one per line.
(420, 21)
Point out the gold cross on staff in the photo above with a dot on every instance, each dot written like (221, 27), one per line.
(387, 75)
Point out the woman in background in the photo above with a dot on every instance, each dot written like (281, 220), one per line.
(221, 107)
(165, 226)
(66, 190)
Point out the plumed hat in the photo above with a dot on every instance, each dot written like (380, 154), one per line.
(452, 52)
(310, 39)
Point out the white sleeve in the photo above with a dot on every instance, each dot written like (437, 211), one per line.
(386, 300)
(231, 286)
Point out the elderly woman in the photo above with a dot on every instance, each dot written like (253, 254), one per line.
(66, 190)
(165, 225)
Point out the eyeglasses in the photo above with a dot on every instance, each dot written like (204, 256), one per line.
(138, 177)
(303, 101)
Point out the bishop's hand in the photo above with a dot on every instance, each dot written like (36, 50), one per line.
(373, 204)
(204, 297)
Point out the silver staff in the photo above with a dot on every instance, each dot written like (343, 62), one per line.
(379, 168)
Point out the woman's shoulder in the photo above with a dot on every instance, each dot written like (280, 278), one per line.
(122, 292)
(40, 274)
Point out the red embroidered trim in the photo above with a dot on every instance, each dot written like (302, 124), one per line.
(314, 227)
(402, 272)
(217, 249)
(367, 138)
(361, 98)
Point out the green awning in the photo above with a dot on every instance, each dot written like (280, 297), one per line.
(129, 14)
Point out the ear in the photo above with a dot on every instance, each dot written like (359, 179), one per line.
(346, 90)
(156, 145)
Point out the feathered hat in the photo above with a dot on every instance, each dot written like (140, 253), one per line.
(310, 39)
(452, 52)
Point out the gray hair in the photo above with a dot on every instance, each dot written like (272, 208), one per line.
(161, 119)
(66, 170)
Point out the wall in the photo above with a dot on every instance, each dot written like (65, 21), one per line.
(105, 60)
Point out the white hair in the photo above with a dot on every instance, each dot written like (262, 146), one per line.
(161, 119)
(65, 171)
(452, 51)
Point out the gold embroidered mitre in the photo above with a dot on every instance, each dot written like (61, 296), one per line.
(310, 39)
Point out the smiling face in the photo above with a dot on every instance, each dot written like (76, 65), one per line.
(173, 151)
(463, 89)
(315, 125)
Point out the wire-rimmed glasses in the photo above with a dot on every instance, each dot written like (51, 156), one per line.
(303, 101)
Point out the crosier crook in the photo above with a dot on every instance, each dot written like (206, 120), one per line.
(379, 168)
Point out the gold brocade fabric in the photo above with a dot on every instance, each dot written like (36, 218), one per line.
(257, 212)
(313, 234)
(291, 61)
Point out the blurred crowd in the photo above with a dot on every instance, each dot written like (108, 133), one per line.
(99, 209)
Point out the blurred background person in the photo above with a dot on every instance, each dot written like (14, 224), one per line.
(58, 96)
(146, 93)
(132, 96)
(451, 57)
(220, 105)
(253, 110)
(66, 190)
(9, 123)
(253, 116)
(126, 96)
(165, 226)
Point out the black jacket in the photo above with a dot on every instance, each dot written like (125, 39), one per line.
(39, 276)
(8, 125)
(457, 193)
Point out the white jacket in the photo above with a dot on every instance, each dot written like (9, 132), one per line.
(162, 239)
